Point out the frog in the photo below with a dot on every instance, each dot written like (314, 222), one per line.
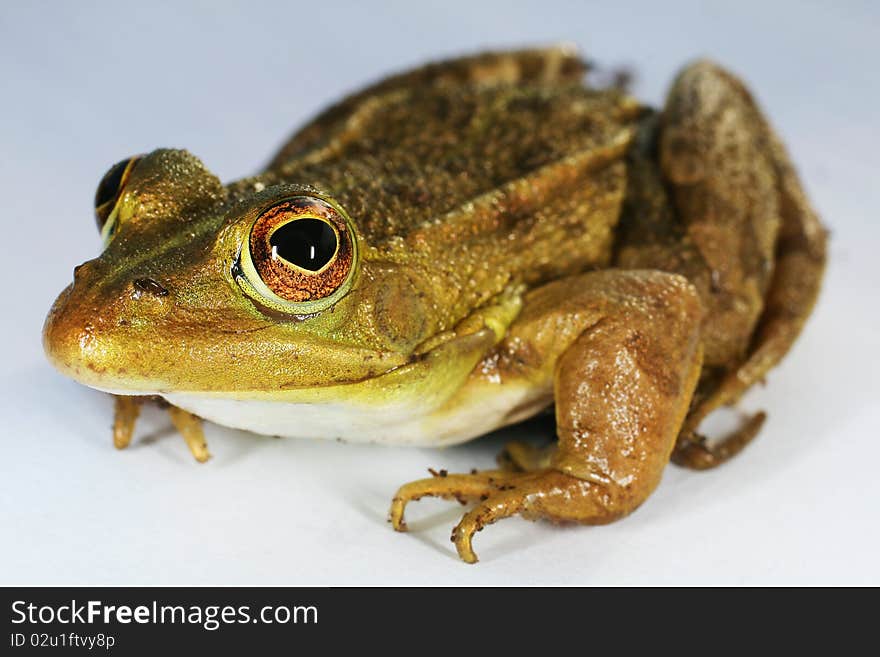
(454, 249)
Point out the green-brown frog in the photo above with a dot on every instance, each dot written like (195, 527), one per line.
(455, 249)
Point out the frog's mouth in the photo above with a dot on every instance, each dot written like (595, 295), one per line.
(163, 351)
(171, 355)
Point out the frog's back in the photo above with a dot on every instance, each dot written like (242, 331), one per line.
(479, 153)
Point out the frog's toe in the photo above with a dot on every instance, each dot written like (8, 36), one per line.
(495, 507)
(545, 493)
(461, 487)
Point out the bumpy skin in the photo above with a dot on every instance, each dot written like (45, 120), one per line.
(518, 232)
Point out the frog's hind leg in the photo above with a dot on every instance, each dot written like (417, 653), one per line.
(627, 354)
(743, 208)
(128, 408)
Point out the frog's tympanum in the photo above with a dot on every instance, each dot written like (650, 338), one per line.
(455, 249)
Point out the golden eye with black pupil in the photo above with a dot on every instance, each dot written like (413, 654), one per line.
(300, 256)
(307, 243)
(108, 193)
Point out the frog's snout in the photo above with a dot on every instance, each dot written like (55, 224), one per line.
(65, 334)
(90, 323)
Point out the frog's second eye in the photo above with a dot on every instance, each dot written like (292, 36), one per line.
(107, 196)
(300, 257)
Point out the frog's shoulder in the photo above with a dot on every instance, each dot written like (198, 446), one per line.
(556, 64)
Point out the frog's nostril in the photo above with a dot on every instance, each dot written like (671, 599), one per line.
(149, 286)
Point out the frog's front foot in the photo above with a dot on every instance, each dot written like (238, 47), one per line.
(546, 493)
(127, 410)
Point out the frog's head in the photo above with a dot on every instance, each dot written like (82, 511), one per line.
(251, 290)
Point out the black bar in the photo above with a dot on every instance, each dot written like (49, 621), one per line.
(286, 620)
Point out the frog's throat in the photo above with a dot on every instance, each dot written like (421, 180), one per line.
(439, 398)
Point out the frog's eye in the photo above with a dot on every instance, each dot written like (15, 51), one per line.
(300, 255)
(107, 196)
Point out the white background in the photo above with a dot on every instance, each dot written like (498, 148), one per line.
(85, 84)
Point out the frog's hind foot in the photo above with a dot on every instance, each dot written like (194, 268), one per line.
(693, 451)
(128, 408)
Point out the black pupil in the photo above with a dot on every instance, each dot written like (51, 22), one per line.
(109, 184)
(306, 243)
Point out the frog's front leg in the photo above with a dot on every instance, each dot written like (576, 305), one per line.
(126, 411)
(128, 408)
(625, 354)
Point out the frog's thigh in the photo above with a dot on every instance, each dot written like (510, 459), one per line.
(622, 387)
(715, 158)
(737, 193)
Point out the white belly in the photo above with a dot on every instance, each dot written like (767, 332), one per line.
(472, 414)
